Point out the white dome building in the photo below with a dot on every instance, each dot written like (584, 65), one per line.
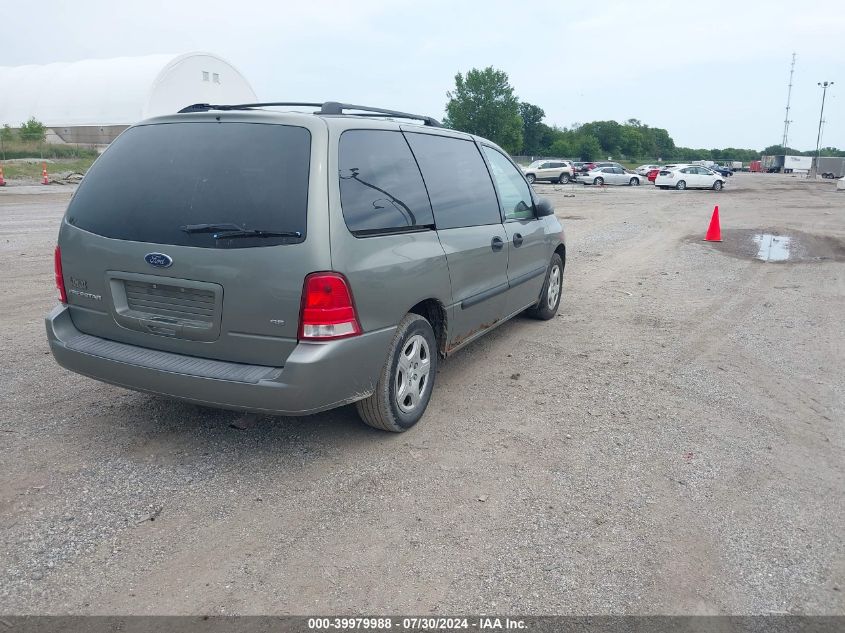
(93, 100)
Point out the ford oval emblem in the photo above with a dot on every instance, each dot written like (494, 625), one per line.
(159, 260)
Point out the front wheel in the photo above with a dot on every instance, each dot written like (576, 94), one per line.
(564, 178)
(550, 295)
(407, 378)
(634, 182)
(598, 181)
(717, 186)
(682, 184)
(531, 178)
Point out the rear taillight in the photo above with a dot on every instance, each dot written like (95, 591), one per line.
(60, 278)
(328, 311)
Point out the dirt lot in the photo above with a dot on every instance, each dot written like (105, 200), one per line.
(671, 443)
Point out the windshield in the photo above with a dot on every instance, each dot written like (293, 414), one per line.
(155, 180)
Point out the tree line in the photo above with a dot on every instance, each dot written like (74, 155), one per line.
(484, 103)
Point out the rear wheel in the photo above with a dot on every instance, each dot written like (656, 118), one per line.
(407, 378)
(717, 186)
(634, 182)
(564, 178)
(598, 181)
(682, 184)
(531, 178)
(549, 302)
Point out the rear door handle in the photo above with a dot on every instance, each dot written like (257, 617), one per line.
(497, 244)
(517, 239)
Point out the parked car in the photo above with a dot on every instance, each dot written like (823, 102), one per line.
(721, 169)
(250, 278)
(643, 170)
(607, 163)
(689, 177)
(550, 170)
(583, 168)
(652, 174)
(609, 176)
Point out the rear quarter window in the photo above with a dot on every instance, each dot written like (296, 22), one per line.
(381, 189)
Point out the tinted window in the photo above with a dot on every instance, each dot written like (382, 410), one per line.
(155, 179)
(513, 190)
(457, 179)
(380, 185)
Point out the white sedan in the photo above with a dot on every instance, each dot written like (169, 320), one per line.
(609, 176)
(643, 170)
(689, 177)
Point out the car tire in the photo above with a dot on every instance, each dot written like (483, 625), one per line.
(717, 186)
(563, 179)
(635, 182)
(598, 182)
(551, 293)
(681, 185)
(407, 379)
(531, 178)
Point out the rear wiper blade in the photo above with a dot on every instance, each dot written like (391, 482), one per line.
(227, 230)
(225, 235)
(211, 228)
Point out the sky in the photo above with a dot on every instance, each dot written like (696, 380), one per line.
(714, 74)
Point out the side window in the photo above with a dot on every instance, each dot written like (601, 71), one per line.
(457, 179)
(618, 170)
(688, 170)
(380, 184)
(513, 190)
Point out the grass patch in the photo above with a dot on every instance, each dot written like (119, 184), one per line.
(17, 148)
(32, 171)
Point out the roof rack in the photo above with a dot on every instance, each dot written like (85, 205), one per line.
(327, 107)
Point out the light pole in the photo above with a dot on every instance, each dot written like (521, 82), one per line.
(824, 86)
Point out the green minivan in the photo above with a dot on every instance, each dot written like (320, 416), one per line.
(255, 258)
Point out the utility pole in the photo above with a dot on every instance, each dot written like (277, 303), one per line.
(786, 120)
(824, 86)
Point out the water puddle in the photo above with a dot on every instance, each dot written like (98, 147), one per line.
(772, 248)
(775, 245)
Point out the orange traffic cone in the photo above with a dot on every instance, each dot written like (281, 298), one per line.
(2, 180)
(44, 179)
(714, 232)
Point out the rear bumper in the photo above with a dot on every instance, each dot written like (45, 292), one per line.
(315, 377)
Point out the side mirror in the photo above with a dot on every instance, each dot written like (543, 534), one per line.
(544, 207)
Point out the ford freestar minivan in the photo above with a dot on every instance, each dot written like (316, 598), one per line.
(291, 262)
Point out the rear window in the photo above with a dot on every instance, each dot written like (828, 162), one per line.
(381, 189)
(457, 179)
(154, 180)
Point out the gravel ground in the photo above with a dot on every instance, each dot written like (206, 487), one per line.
(672, 443)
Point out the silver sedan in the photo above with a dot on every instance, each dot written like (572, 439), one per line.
(610, 176)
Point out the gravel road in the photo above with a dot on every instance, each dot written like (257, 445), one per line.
(672, 443)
